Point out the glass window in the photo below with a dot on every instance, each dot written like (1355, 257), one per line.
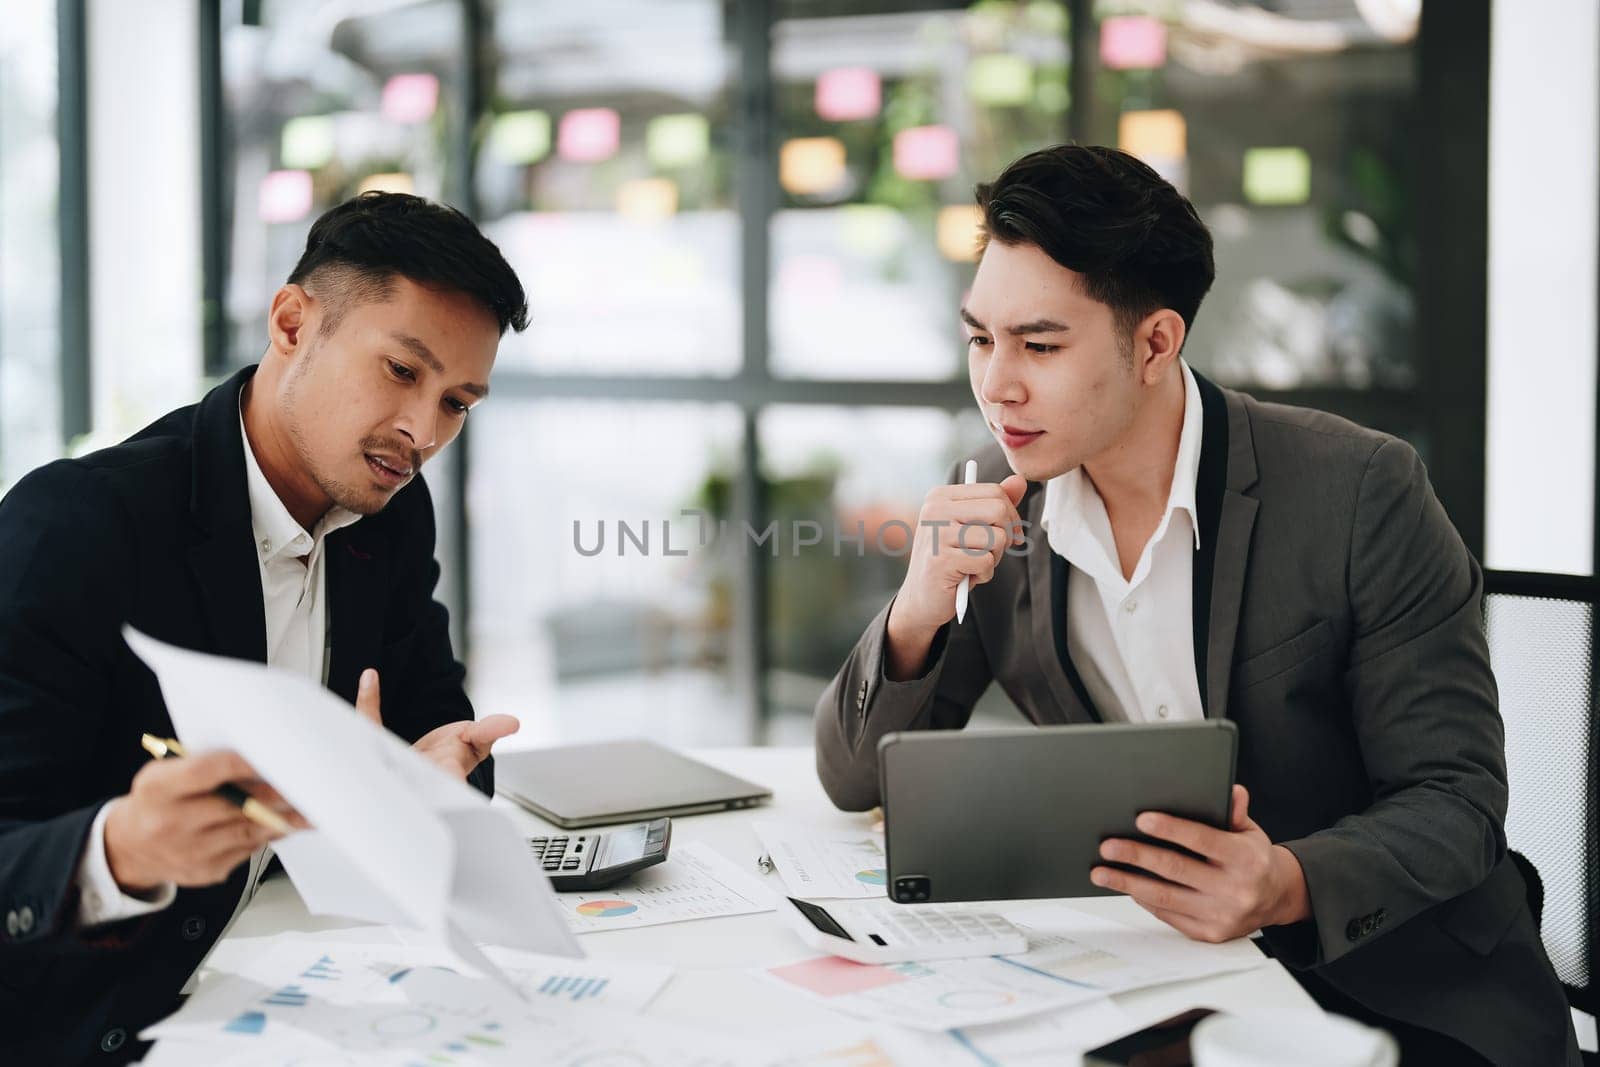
(30, 249)
(595, 610)
(605, 175)
(852, 479)
(886, 119)
(1294, 135)
(322, 106)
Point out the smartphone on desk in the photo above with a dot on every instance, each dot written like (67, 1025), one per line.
(595, 859)
(1162, 1044)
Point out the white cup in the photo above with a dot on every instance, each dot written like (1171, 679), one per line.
(1303, 1040)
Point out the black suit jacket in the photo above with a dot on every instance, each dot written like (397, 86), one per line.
(1337, 621)
(156, 532)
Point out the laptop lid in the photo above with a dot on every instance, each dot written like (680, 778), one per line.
(617, 781)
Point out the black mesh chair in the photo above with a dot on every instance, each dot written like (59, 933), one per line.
(1546, 659)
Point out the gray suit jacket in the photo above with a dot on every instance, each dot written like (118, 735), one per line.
(1337, 622)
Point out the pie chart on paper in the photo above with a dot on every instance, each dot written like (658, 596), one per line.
(606, 909)
(872, 876)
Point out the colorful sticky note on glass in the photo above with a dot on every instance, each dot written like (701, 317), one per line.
(1153, 135)
(1000, 80)
(589, 135)
(677, 140)
(307, 142)
(410, 98)
(926, 153)
(808, 166)
(520, 137)
(1133, 42)
(388, 182)
(957, 232)
(648, 199)
(872, 230)
(847, 94)
(1277, 175)
(284, 196)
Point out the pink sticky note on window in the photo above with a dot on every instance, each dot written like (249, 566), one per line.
(589, 135)
(847, 94)
(284, 196)
(1133, 42)
(830, 976)
(410, 98)
(926, 153)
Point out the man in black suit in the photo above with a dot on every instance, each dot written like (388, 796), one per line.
(281, 520)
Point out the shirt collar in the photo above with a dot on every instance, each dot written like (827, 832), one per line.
(275, 530)
(1066, 495)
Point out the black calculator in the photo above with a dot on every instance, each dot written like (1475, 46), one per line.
(599, 858)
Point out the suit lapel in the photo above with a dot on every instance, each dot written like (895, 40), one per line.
(357, 566)
(223, 558)
(1224, 556)
(1047, 592)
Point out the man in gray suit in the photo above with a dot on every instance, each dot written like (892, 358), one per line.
(1205, 555)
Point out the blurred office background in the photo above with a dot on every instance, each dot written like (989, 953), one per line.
(745, 227)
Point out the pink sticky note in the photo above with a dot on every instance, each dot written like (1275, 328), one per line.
(926, 153)
(589, 135)
(410, 98)
(284, 196)
(1133, 42)
(846, 94)
(830, 976)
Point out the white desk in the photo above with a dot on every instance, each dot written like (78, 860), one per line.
(704, 993)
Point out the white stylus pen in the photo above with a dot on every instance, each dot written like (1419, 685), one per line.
(964, 590)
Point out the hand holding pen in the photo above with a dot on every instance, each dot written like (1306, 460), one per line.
(191, 821)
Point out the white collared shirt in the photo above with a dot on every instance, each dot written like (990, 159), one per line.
(294, 598)
(1132, 639)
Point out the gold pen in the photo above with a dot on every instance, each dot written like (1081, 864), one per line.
(254, 810)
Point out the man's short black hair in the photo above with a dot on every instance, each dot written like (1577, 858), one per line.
(1137, 242)
(356, 249)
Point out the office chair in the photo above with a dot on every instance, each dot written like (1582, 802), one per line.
(1546, 660)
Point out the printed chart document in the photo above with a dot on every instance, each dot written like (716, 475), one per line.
(694, 883)
(933, 995)
(1044, 1040)
(1111, 957)
(396, 839)
(429, 1015)
(297, 987)
(826, 863)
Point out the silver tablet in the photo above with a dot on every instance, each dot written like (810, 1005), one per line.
(1020, 813)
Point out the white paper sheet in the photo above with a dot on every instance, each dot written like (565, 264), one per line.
(932, 995)
(396, 839)
(1055, 1039)
(265, 991)
(429, 1015)
(694, 883)
(1113, 958)
(826, 863)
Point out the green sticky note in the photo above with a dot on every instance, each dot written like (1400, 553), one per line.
(520, 137)
(1277, 175)
(677, 140)
(1000, 80)
(307, 142)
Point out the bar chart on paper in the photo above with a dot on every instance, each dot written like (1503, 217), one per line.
(695, 883)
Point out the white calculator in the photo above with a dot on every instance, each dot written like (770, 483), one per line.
(882, 932)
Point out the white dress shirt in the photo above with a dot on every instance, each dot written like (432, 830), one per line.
(294, 595)
(1132, 639)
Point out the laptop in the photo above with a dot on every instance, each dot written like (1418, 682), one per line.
(1016, 814)
(574, 786)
